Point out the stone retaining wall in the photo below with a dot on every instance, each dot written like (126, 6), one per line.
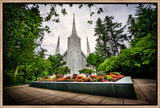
(122, 88)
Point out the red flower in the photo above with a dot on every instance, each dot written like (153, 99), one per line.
(102, 80)
(66, 78)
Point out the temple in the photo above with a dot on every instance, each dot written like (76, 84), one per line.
(74, 57)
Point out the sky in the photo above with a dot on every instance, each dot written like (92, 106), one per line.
(64, 28)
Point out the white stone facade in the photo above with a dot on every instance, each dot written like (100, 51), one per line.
(74, 57)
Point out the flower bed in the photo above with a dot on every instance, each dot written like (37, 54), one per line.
(111, 77)
(122, 88)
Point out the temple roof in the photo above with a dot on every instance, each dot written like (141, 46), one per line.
(74, 33)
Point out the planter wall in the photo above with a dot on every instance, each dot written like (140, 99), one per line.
(122, 88)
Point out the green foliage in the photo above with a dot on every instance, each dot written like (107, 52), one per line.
(8, 78)
(131, 23)
(94, 60)
(110, 37)
(144, 46)
(34, 67)
(55, 62)
(143, 23)
(38, 66)
(140, 60)
(99, 11)
(80, 6)
(21, 29)
(44, 73)
(101, 73)
(108, 65)
(90, 22)
(91, 13)
(18, 79)
(22, 35)
(89, 5)
(70, 5)
(54, 15)
(64, 11)
(101, 47)
(62, 70)
(87, 72)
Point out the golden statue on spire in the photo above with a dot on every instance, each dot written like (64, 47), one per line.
(73, 14)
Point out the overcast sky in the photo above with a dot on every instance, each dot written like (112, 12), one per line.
(64, 28)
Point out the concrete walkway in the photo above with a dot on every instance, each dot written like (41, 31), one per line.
(25, 95)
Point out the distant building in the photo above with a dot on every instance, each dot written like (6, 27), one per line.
(75, 58)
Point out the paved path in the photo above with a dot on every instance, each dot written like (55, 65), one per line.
(25, 95)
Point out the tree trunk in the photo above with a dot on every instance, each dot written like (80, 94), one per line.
(16, 71)
(105, 47)
(116, 47)
(36, 78)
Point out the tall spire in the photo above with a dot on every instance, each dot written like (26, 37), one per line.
(88, 49)
(74, 25)
(57, 48)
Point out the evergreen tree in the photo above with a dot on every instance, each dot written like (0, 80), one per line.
(140, 60)
(143, 23)
(110, 37)
(102, 47)
(115, 33)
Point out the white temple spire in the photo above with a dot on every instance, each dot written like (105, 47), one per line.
(88, 48)
(74, 25)
(58, 47)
